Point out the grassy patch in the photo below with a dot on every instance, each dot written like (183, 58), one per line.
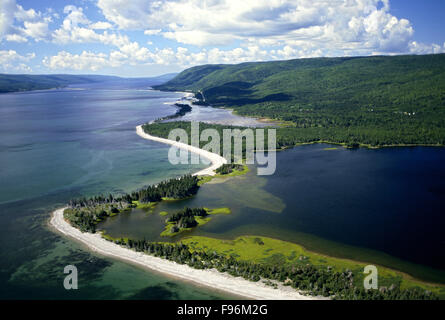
(268, 250)
(234, 173)
(168, 232)
(112, 239)
(139, 205)
(204, 179)
(224, 210)
(202, 221)
(172, 229)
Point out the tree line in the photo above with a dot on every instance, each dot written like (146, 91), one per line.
(183, 109)
(85, 213)
(186, 218)
(356, 100)
(310, 279)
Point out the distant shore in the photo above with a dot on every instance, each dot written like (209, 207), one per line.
(209, 278)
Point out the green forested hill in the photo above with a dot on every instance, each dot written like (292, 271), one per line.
(370, 100)
(26, 82)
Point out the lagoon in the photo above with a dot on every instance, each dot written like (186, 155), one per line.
(382, 206)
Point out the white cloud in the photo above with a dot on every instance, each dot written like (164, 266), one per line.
(126, 14)
(77, 28)
(421, 48)
(133, 55)
(84, 61)
(26, 15)
(340, 27)
(254, 30)
(18, 24)
(101, 25)
(7, 10)
(150, 32)
(11, 61)
(199, 38)
(74, 18)
(15, 38)
(36, 30)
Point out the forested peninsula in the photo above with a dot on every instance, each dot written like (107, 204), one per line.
(86, 213)
(369, 101)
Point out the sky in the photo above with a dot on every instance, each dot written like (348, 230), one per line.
(141, 38)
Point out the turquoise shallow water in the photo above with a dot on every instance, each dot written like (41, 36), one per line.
(60, 144)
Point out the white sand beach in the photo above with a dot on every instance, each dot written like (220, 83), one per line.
(216, 160)
(211, 278)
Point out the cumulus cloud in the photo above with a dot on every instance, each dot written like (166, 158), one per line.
(15, 38)
(134, 55)
(84, 61)
(36, 30)
(328, 25)
(7, 11)
(11, 61)
(151, 32)
(77, 28)
(18, 24)
(421, 48)
(253, 30)
(101, 25)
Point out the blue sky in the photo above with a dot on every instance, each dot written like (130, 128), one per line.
(146, 38)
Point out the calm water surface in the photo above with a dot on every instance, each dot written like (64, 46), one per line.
(383, 206)
(60, 144)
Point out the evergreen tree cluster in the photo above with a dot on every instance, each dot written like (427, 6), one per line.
(181, 188)
(183, 109)
(310, 279)
(186, 217)
(376, 101)
(85, 213)
(229, 168)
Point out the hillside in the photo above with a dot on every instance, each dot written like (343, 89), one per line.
(26, 82)
(360, 100)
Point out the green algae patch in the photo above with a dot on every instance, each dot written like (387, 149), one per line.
(139, 205)
(224, 210)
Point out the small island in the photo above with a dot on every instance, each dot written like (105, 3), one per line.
(189, 218)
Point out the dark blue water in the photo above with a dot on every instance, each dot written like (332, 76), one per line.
(382, 206)
(60, 144)
(390, 200)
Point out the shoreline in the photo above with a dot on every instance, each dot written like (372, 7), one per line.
(215, 159)
(208, 277)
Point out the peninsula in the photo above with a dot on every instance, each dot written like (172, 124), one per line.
(215, 159)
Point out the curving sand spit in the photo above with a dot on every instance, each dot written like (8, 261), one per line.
(210, 278)
(216, 160)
